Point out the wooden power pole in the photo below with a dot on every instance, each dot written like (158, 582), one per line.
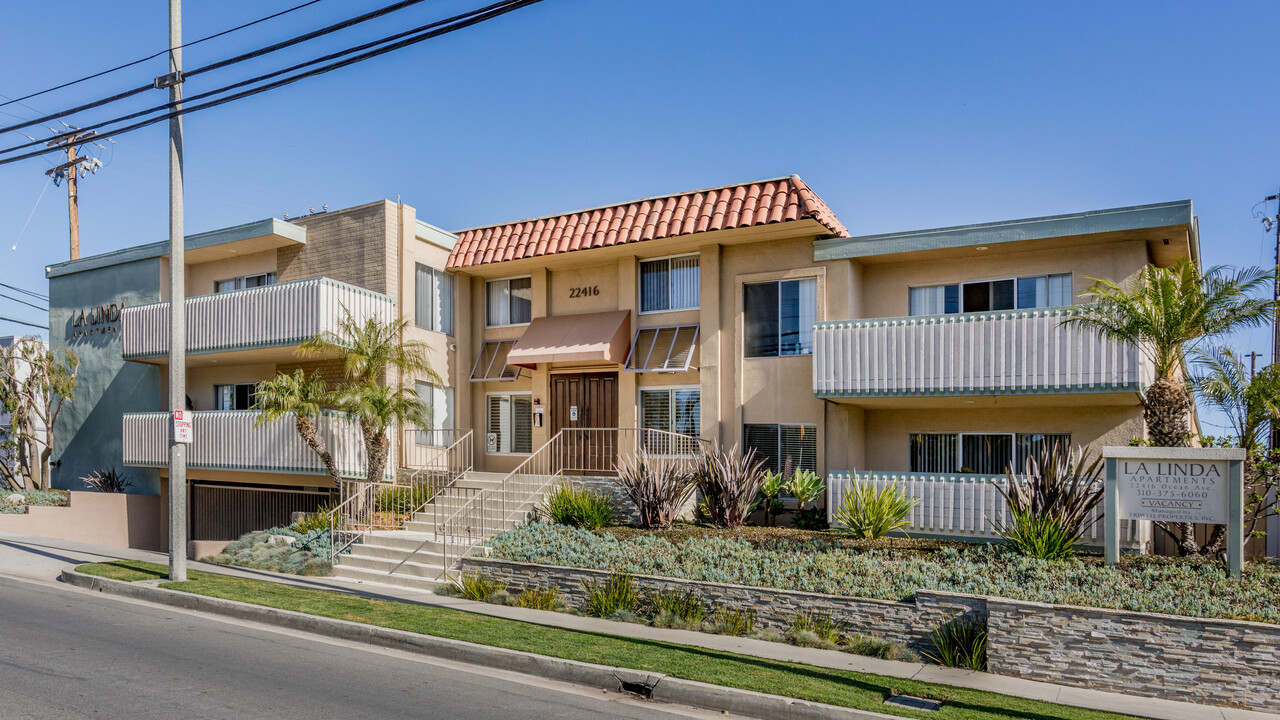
(71, 170)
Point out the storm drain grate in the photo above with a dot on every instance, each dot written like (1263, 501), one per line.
(913, 702)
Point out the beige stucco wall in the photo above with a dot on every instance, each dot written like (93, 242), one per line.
(115, 519)
(200, 380)
(884, 291)
(886, 435)
(202, 276)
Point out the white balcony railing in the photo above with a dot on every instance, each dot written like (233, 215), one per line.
(1008, 352)
(229, 440)
(268, 316)
(964, 506)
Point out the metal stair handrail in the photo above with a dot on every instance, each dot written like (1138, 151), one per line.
(582, 450)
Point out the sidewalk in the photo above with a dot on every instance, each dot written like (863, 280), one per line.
(44, 559)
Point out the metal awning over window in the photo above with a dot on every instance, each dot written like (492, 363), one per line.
(491, 365)
(663, 349)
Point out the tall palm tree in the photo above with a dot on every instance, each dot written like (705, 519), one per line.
(1167, 312)
(1250, 402)
(302, 396)
(371, 350)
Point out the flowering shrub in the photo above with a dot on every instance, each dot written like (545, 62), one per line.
(1145, 584)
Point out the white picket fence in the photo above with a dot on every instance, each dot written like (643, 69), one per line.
(963, 506)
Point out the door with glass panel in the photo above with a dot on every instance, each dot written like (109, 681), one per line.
(585, 406)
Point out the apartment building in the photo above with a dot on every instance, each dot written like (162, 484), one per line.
(746, 314)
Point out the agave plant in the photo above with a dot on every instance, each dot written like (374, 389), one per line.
(1051, 501)
(771, 486)
(659, 486)
(806, 487)
(869, 513)
(730, 481)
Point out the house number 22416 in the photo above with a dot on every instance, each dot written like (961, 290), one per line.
(586, 291)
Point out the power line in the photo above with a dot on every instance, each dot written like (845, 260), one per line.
(24, 322)
(457, 22)
(156, 55)
(350, 22)
(24, 302)
(36, 295)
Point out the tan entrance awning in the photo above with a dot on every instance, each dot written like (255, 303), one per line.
(574, 338)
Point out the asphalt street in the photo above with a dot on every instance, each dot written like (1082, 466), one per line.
(69, 653)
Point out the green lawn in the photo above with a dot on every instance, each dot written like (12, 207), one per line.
(836, 687)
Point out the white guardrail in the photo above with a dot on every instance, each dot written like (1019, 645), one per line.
(964, 506)
(268, 316)
(1014, 351)
(229, 440)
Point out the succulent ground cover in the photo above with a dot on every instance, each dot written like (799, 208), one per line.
(307, 554)
(46, 498)
(819, 562)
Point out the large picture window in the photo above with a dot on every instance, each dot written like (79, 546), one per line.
(1024, 293)
(669, 284)
(979, 453)
(438, 400)
(510, 428)
(236, 396)
(509, 301)
(776, 443)
(779, 317)
(433, 308)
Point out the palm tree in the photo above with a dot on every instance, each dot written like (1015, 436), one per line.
(302, 396)
(371, 350)
(1166, 312)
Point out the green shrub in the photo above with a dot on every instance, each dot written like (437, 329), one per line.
(307, 555)
(321, 519)
(959, 644)
(867, 512)
(403, 499)
(878, 647)
(578, 507)
(806, 487)
(605, 597)
(684, 606)
(1044, 537)
(733, 620)
(811, 518)
(547, 598)
(476, 586)
(822, 625)
(771, 486)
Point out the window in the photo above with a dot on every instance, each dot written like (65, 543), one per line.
(510, 424)
(244, 282)
(669, 284)
(775, 444)
(239, 396)
(979, 453)
(439, 403)
(779, 317)
(676, 410)
(434, 310)
(662, 349)
(510, 301)
(1022, 293)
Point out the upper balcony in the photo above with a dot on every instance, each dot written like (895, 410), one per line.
(1007, 353)
(232, 440)
(273, 316)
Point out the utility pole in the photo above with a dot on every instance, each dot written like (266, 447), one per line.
(70, 169)
(1271, 223)
(1253, 363)
(177, 306)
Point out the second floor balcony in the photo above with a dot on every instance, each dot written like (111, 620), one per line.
(1014, 352)
(272, 316)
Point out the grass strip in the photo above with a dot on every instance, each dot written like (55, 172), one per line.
(835, 687)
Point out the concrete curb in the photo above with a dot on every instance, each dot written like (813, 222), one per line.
(654, 685)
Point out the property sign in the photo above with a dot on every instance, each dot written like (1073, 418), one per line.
(1173, 490)
(1191, 485)
(182, 426)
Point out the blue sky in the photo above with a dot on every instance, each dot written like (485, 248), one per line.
(900, 115)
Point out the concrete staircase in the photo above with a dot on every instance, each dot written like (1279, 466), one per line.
(413, 557)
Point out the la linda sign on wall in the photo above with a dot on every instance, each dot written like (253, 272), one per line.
(1179, 485)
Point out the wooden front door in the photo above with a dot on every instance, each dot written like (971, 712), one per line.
(586, 406)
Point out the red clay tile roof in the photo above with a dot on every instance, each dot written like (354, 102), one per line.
(723, 208)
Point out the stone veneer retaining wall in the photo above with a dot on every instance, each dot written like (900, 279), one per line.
(1231, 663)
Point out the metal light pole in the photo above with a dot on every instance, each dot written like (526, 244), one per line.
(177, 307)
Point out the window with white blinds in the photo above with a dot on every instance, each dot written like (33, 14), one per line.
(1024, 293)
(433, 308)
(510, 424)
(776, 443)
(438, 401)
(669, 284)
(675, 410)
(979, 453)
(509, 301)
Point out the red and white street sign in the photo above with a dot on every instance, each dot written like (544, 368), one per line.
(182, 431)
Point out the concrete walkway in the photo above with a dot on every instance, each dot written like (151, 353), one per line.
(44, 558)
